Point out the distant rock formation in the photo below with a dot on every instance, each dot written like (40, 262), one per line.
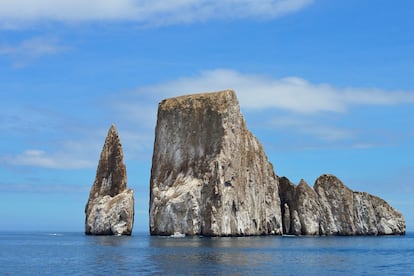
(331, 208)
(110, 207)
(210, 175)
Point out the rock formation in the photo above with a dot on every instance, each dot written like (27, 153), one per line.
(300, 208)
(110, 207)
(331, 208)
(210, 175)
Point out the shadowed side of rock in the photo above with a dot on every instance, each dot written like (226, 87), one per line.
(209, 174)
(110, 207)
(331, 208)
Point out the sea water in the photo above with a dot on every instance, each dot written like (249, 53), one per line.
(140, 254)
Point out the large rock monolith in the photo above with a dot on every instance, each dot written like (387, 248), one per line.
(210, 175)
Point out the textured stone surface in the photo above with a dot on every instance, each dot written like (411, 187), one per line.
(210, 175)
(301, 205)
(110, 207)
(331, 208)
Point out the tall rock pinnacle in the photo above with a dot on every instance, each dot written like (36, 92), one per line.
(110, 207)
(210, 175)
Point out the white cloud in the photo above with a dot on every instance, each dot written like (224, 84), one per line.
(47, 138)
(256, 92)
(317, 112)
(31, 49)
(311, 127)
(155, 12)
(39, 158)
(292, 107)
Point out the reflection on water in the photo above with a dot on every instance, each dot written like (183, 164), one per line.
(270, 255)
(77, 254)
(202, 255)
(110, 240)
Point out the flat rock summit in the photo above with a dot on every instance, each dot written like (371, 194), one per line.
(210, 176)
(110, 207)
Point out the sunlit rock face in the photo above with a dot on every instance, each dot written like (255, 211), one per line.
(110, 207)
(300, 208)
(331, 208)
(210, 175)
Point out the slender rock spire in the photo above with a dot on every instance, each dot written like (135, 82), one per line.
(110, 207)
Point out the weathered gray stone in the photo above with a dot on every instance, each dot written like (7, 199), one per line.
(336, 201)
(210, 175)
(308, 208)
(303, 205)
(110, 207)
(331, 208)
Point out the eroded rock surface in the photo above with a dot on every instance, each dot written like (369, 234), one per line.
(210, 175)
(110, 207)
(331, 208)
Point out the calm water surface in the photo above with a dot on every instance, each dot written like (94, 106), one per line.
(76, 254)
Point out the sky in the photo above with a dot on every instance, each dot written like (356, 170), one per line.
(327, 86)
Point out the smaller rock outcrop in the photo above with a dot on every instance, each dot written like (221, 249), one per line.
(331, 208)
(110, 207)
(300, 208)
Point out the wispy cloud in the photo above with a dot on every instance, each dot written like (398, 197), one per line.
(156, 12)
(294, 94)
(40, 158)
(314, 115)
(48, 138)
(307, 126)
(31, 49)
(293, 107)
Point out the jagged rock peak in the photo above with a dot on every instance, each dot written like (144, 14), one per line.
(347, 212)
(110, 207)
(331, 208)
(210, 175)
(111, 176)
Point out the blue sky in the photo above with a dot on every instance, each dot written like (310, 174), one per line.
(326, 86)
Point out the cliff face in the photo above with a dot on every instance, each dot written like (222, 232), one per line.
(110, 207)
(210, 175)
(331, 208)
(300, 208)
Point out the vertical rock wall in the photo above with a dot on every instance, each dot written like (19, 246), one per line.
(210, 175)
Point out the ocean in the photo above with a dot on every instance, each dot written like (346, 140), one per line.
(76, 254)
